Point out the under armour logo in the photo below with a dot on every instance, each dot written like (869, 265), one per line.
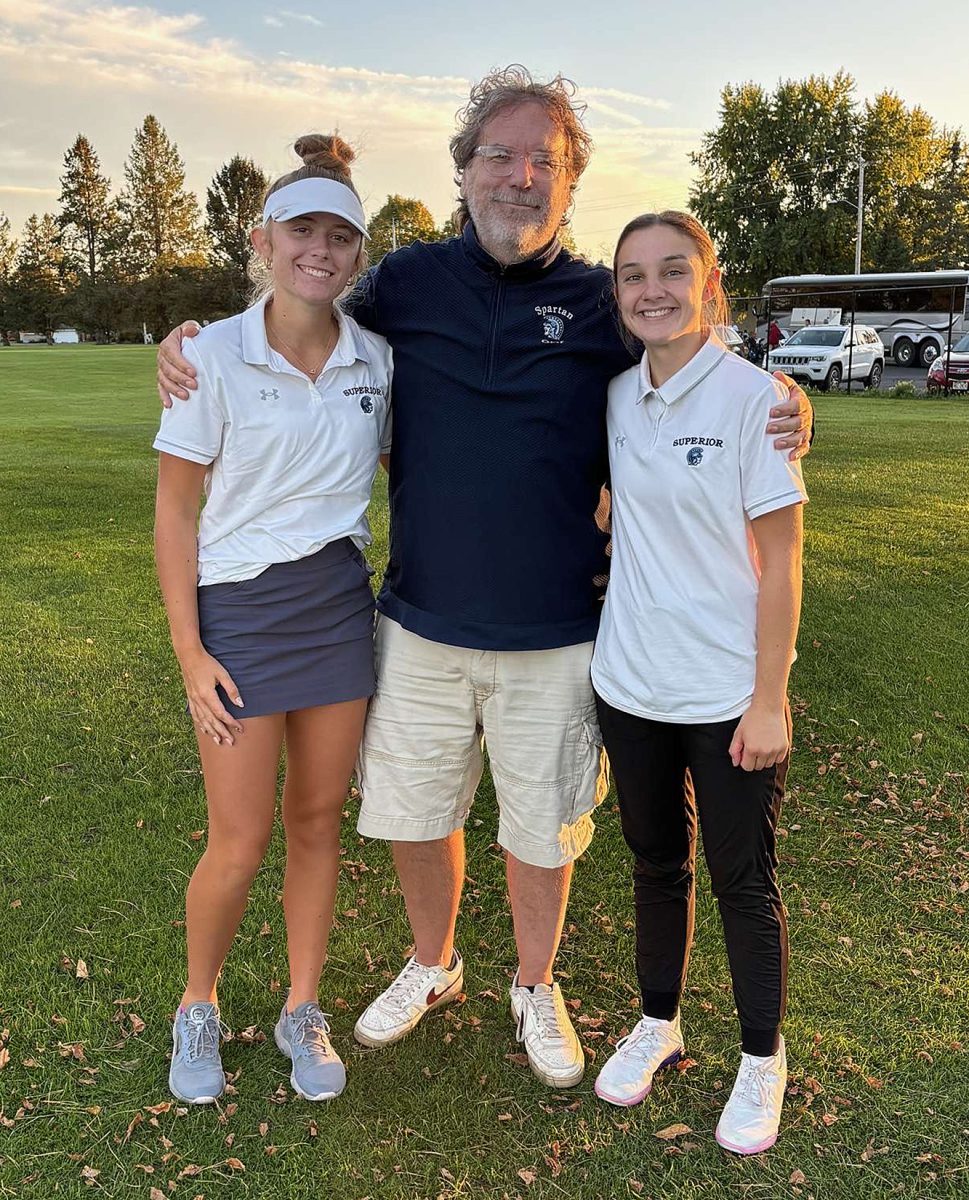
(620, 441)
(270, 395)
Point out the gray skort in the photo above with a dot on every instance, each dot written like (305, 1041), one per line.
(298, 635)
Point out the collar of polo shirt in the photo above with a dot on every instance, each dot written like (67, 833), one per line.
(256, 350)
(687, 377)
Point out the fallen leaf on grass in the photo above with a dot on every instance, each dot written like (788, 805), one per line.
(520, 1060)
(263, 1128)
(829, 1118)
(71, 1050)
(798, 1177)
(156, 1194)
(89, 1175)
(133, 1124)
(189, 1171)
(636, 1186)
(235, 1164)
(266, 929)
(137, 1024)
(527, 1176)
(15, 903)
(672, 1131)
(81, 971)
(4, 1057)
(157, 1109)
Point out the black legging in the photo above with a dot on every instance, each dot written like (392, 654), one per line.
(738, 814)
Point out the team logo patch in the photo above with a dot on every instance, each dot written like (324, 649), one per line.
(694, 456)
(553, 322)
(366, 404)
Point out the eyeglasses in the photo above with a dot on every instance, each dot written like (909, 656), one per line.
(499, 161)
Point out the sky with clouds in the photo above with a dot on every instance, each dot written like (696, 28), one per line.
(236, 76)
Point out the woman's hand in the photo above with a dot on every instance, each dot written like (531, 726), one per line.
(793, 419)
(760, 739)
(201, 672)
(176, 375)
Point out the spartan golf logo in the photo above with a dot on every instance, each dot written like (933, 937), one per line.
(553, 323)
(694, 456)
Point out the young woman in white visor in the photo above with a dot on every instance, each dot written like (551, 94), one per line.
(692, 660)
(269, 599)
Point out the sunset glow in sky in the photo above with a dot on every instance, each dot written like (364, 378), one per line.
(245, 77)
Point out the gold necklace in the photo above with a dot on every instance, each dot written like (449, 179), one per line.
(298, 360)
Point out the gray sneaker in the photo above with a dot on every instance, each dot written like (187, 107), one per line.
(304, 1036)
(196, 1074)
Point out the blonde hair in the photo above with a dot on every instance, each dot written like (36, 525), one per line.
(325, 156)
(716, 310)
(508, 87)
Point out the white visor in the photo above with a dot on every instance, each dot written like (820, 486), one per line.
(315, 195)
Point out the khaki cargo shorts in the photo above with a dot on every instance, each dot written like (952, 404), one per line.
(435, 705)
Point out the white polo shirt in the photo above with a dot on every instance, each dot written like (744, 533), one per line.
(292, 460)
(691, 466)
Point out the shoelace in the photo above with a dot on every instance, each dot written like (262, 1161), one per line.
(542, 1006)
(311, 1032)
(753, 1083)
(413, 979)
(640, 1043)
(203, 1036)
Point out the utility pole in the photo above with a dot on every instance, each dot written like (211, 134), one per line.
(861, 201)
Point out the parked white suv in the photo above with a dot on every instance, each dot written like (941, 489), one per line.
(819, 354)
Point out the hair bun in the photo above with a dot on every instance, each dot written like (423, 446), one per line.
(325, 150)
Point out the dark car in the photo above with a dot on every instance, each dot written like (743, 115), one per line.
(950, 369)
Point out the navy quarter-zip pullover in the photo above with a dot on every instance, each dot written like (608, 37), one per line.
(499, 440)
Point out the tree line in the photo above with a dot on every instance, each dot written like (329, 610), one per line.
(777, 183)
(105, 264)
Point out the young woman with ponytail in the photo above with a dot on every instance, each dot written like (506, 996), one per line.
(269, 599)
(692, 659)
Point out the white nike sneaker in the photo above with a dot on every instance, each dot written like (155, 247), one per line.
(414, 992)
(750, 1120)
(627, 1077)
(551, 1043)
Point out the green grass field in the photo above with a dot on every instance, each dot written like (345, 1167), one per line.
(103, 811)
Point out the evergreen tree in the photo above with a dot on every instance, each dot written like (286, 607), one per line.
(8, 254)
(161, 217)
(36, 285)
(85, 208)
(233, 205)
